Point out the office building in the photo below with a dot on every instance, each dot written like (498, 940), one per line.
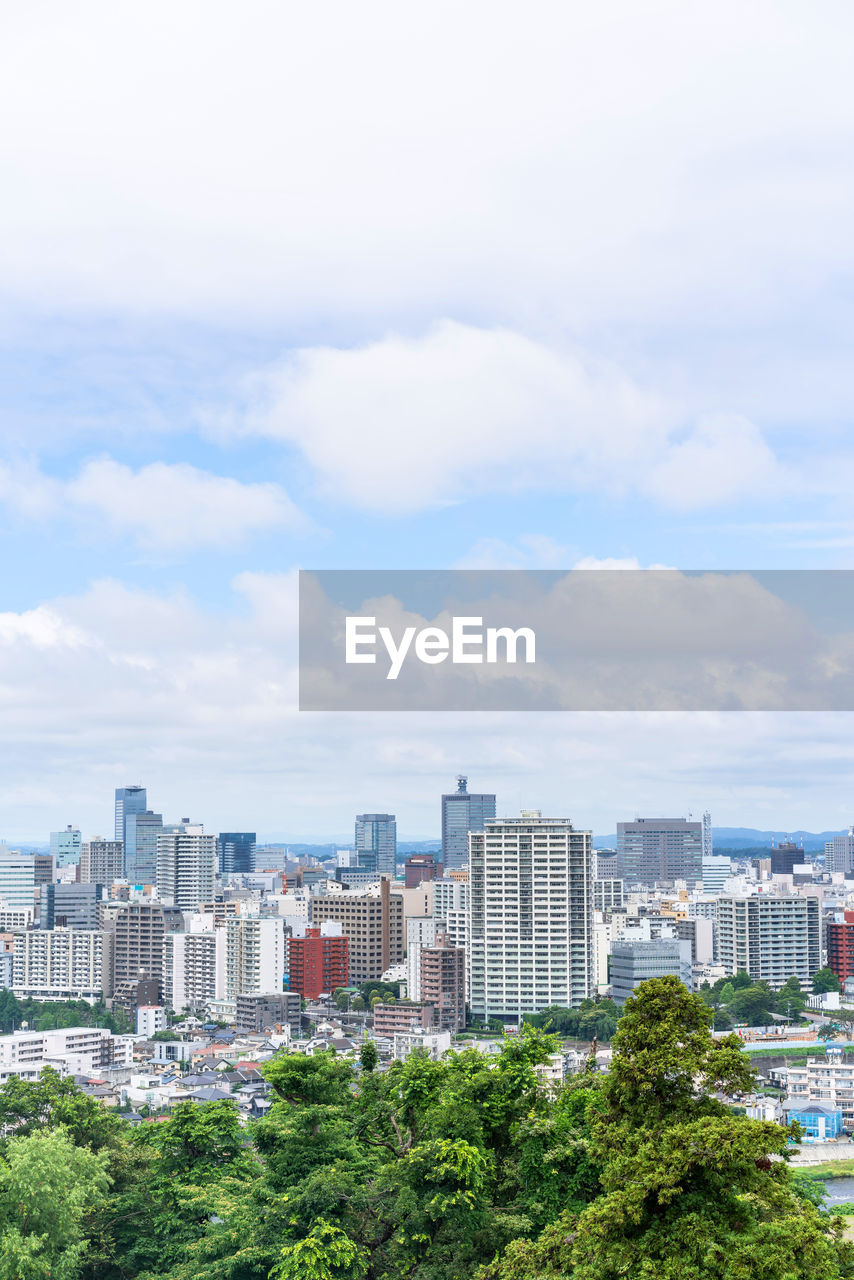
(839, 853)
(65, 846)
(255, 959)
(318, 963)
(72, 906)
(443, 983)
(372, 922)
(654, 851)
(17, 881)
(421, 931)
(463, 811)
(236, 852)
(785, 857)
(717, 869)
(607, 895)
(530, 928)
(138, 828)
(138, 930)
(102, 861)
(58, 964)
(186, 867)
(637, 957)
(376, 843)
(771, 937)
(267, 1011)
(44, 869)
(419, 867)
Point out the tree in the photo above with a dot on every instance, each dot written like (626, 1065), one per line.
(326, 1253)
(825, 980)
(48, 1187)
(689, 1191)
(726, 993)
(368, 1056)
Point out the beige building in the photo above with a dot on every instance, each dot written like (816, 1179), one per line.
(372, 922)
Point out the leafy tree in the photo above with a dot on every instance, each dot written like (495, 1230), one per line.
(689, 1190)
(825, 980)
(753, 1005)
(742, 979)
(726, 993)
(48, 1187)
(32, 1106)
(326, 1253)
(368, 1056)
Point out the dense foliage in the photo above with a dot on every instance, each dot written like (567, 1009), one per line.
(47, 1015)
(739, 1001)
(471, 1168)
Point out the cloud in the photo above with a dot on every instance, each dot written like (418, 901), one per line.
(164, 507)
(407, 423)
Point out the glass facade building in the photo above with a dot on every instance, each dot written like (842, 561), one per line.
(376, 842)
(236, 852)
(462, 812)
(138, 828)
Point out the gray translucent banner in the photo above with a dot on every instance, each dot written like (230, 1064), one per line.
(582, 640)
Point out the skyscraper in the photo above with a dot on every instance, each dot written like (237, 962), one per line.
(376, 842)
(660, 850)
(186, 867)
(65, 846)
(236, 851)
(462, 811)
(138, 828)
(530, 927)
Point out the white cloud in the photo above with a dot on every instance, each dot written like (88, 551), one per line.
(403, 423)
(165, 507)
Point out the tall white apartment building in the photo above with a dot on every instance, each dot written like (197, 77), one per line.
(450, 903)
(255, 959)
(102, 861)
(186, 867)
(72, 1050)
(421, 931)
(17, 881)
(193, 967)
(59, 964)
(530, 929)
(772, 937)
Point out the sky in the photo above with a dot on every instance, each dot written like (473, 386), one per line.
(386, 286)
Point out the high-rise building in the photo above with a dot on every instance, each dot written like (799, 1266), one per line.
(17, 881)
(138, 828)
(372, 922)
(443, 982)
(463, 811)
(254, 955)
(44, 868)
(530, 928)
(607, 894)
(839, 853)
(236, 851)
(65, 846)
(840, 946)
(771, 937)
(376, 842)
(317, 963)
(72, 906)
(58, 964)
(660, 851)
(421, 931)
(785, 856)
(717, 869)
(708, 839)
(138, 930)
(194, 968)
(186, 867)
(102, 861)
(450, 903)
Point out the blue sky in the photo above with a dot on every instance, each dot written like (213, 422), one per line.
(285, 289)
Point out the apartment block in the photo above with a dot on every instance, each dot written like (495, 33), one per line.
(58, 964)
(839, 936)
(772, 937)
(138, 930)
(826, 1082)
(389, 1019)
(530, 928)
(255, 957)
(186, 867)
(262, 1010)
(193, 969)
(317, 963)
(372, 922)
(443, 983)
(74, 1050)
(102, 861)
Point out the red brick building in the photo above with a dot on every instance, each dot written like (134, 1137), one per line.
(840, 946)
(317, 964)
(420, 867)
(443, 983)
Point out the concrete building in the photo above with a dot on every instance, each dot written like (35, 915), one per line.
(65, 846)
(138, 930)
(443, 982)
(785, 857)
(72, 906)
(419, 867)
(317, 963)
(637, 957)
(530, 928)
(102, 861)
(390, 1019)
(376, 843)
(150, 1018)
(450, 903)
(138, 828)
(839, 853)
(433, 1043)
(372, 922)
(607, 895)
(77, 1050)
(236, 852)
(58, 964)
(660, 851)
(463, 811)
(17, 881)
(421, 931)
(194, 968)
(826, 1082)
(717, 869)
(261, 1011)
(44, 869)
(772, 937)
(186, 867)
(255, 959)
(839, 936)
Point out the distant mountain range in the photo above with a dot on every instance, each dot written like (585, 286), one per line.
(750, 838)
